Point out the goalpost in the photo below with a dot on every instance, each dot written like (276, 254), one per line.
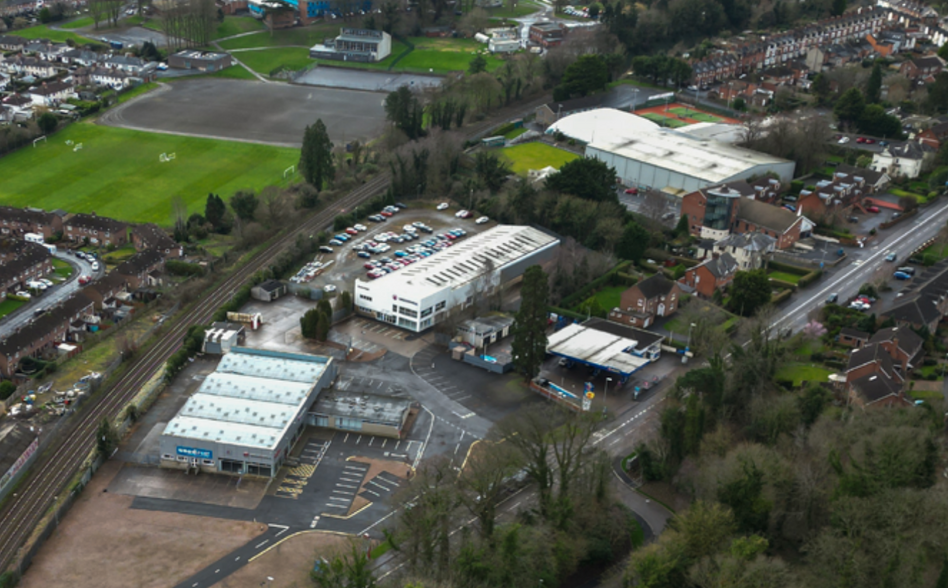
(165, 157)
(77, 147)
(38, 139)
(289, 171)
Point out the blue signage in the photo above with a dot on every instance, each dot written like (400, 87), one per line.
(198, 453)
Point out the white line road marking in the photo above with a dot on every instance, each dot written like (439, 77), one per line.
(384, 441)
(259, 545)
(346, 439)
(283, 528)
(340, 499)
(459, 399)
(237, 558)
(374, 483)
(347, 486)
(336, 505)
(359, 439)
(468, 415)
(380, 384)
(397, 443)
(348, 480)
(371, 440)
(371, 492)
(343, 492)
(217, 571)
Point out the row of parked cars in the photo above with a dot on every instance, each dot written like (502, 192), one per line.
(411, 254)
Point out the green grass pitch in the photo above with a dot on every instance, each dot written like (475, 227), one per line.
(536, 155)
(665, 120)
(117, 173)
(696, 115)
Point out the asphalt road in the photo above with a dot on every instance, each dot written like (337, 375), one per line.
(52, 296)
(863, 264)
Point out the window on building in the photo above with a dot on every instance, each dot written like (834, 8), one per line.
(440, 306)
(426, 312)
(408, 312)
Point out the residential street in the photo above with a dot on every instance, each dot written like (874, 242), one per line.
(53, 296)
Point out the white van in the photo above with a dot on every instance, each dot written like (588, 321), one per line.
(34, 285)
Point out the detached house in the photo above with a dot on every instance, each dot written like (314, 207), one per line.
(749, 250)
(99, 230)
(52, 93)
(142, 269)
(149, 236)
(924, 302)
(711, 275)
(873, 379)
(922, 68)
(906, 159)
(651, 298)
(903, 345)
(935, 136)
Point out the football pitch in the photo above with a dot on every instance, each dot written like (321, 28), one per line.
(695, 115)
(118, 172)
(536, 155)
(664, 120)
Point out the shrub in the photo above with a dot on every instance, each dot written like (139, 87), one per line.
(7, 388)
(183, 268)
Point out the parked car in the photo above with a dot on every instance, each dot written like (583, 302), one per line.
(843, 140)
(907, 270)
(352, 231)
(364, 254)
(369, 266)
(860, 139)
(329, 288)
(83, 280)
(832, 298)
(95, 266)
(342, 237)
(853, 219)
(400, 205)
(49, 284)
(870, 141)
(360, 228)
(890, 257)
(901, 276)
(460, 213)
(873, 209)
(632, 191)
(443, 206)
(335, 242)
(326, 249)
(385, 213)
(482, 220)
(24, 294)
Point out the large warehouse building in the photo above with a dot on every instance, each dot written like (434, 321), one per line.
(423, 294)
(648, 156)
(246, 416)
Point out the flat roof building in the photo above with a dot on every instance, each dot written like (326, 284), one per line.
(364, 45)
(246, 416)
(425, 293)
(368, 414)
(606, 347)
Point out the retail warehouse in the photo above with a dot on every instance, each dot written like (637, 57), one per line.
(246, 415)
(423, 294)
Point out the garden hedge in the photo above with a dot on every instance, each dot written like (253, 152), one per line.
(782, 284)
(809, 278)
(788, 268)
(783, 295)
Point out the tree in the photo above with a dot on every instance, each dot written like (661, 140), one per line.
(403, 109)
(749, 291)
(477, 65)
(345, 301)
(316, 162)
(587, 178)
(214, 211)
(244, 205)
(850, 106)
(7, 388)
(529, 329)
(106, 439)
(838, 7)
(745, 496)
(323, 324)
(635, 240)
(874, 85)
(821, 88)
(682, 228)
(308, 323)
(482, 482)
(739, 104)
(875, 121)
(47, 122)
(943, 51)
(587, 74)
(345, 571)
(491, 170)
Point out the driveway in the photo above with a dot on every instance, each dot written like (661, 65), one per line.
(52, 296)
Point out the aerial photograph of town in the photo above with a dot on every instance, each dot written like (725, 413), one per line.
(473, 294)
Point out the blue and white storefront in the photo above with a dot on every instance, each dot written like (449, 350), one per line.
(246, 416)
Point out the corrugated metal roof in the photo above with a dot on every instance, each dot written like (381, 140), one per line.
(596, 347)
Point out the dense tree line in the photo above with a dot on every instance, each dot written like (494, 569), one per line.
(190, 23)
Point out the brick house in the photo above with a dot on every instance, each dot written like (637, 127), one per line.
(781, 224)
(872, 181)
(711, 275)
(875, 390)
(100, 230)
(935, 136)
(20, 263)
(852, 337)
(149, 236)
(903, 345)
(651, 298)
(925, 302)
(52, 93)
(18, 221)
(547, 34)
(749, 250)
(921, 68)
(141, 269)
(43, 334)
(844, 190)
(103, 292)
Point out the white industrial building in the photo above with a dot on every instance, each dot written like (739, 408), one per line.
(423, 294)
(246, 416)
(677, 161)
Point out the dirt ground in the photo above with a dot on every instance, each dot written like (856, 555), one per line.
(288, 563)
(102, 543)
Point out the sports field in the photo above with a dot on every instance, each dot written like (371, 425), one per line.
(666, 121)
(676, 115)
(443, 55)
(117, 173)
(536, 155)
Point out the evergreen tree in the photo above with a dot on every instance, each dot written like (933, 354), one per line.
(874, 85)
(214, 211)
(838, 7)
(750, 291)
(316, 163)
(850, 106)
(821, 88)
(477, 65)
(529, 329)
(635, 240)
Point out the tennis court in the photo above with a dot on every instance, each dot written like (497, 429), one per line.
(667, 121)
(685, 112)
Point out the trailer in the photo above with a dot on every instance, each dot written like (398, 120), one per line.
(253, 319)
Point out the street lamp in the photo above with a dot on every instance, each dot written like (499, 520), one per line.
(269, 581)
(605, 395)
(684, 357)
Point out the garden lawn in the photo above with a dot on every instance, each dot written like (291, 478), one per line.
(515, 133)
(444, 55)
(44, 32)
(939, 250)
(535, 155)
(265, 61)
(62, 269)
(784, 276)
(919, 198)
(300, 36)
(117, 172)
(8, 306)
(609, 298)
(234, 25)
(85, 21)
(800, 372)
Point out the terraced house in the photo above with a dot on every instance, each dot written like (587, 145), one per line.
(44, 334)
(99, 230)
(18, 221)
(20, 263)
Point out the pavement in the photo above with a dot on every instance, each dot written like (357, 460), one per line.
(373, 81)
(52, 296)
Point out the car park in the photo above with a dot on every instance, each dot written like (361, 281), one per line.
(326, 249)
(901, 276)
(907, 270)
(364, 254)
(482, 220)
(335, 242)
(443, 206)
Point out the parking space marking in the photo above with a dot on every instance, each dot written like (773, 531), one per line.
(338, 498)
(344, 492)
(336, 505)
(374, 483)
(352, 467)
(346, 486)
(371, 492)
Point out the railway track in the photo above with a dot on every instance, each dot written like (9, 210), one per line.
(69, 449)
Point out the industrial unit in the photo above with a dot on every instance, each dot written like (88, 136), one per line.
(246, 415)
(425, 293)
(606, 347)
(362, 412)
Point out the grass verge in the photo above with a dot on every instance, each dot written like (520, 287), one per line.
(8, 306)
(44, 32)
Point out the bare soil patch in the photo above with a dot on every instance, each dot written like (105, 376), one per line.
(288, 563)
(103, 543)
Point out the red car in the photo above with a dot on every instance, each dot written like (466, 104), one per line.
(83, 280)
(632, 191)
(861, 140)
(386, 213)
(369, 266)
(873, 209)
(352, 231)
(870, 141)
